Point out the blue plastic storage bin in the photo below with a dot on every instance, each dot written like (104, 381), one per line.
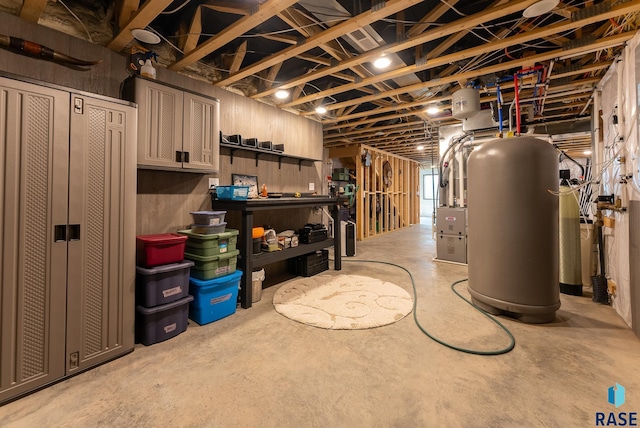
(234, 193)
(213, 299)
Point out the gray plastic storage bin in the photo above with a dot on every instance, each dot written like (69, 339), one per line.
(162, 284)
(162, 322)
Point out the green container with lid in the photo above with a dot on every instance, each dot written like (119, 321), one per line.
(211, 245)
(211, 267)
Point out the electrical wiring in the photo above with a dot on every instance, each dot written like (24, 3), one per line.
(78, 19)
(452, 8)
(176, 9)
(506, 349)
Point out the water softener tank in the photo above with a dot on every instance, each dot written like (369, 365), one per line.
(569, 242)
(513, 228)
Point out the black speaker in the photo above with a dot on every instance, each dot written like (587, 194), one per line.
(348, 231)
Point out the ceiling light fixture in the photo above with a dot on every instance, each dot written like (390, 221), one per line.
(145, 36)
(420, 148)
(282, 94)
(587, 152)
(539, 8)
(321, 110)
(433, 110)
(382, 62)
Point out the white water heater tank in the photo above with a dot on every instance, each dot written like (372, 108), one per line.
(465, 103)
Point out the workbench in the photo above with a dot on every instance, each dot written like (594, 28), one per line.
(248, 261)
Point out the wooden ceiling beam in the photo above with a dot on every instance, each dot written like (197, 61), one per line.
(430, 35)
(282, 38)
(471, 52)
(309, 27)
(616, 40)
(238, 57)
(189, 41)
(431, 18)
(32, 9)
(370, 132)
(389, 7)
(227, 7)
(149, 10)
(125, 9)
(264, 12)
(377, 128)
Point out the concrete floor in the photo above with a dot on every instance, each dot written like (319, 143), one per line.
(257, 368)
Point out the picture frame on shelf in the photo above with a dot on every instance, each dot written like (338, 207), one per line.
(246, 180)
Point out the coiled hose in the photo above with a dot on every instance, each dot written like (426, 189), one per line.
(508, 348)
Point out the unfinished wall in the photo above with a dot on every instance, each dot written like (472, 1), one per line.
(382, 208)
(619, 156)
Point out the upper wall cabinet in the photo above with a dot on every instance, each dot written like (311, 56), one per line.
(177, 129)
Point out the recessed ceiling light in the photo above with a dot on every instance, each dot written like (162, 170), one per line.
(420, 148)
(321, 110)
(587, 152)
(145, 36)
(539, 8)
(433, 110)
(382, 62)
(282, 94)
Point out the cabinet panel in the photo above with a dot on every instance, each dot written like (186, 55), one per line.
(160, 130)
(67, 233)
(201, 132)
(178, 130)
(34, 140)
(101, 257)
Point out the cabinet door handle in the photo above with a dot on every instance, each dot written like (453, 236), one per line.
(185, 157)
(178, 156)
(74, 232)
(60, 233)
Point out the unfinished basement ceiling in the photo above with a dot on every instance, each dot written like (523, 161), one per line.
(321, 52)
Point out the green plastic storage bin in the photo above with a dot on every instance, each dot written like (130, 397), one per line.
(211, 245)
(213, 266)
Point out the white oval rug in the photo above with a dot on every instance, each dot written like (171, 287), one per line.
(342, 302)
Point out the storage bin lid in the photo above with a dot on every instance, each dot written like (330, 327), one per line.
(222, 235)
(161, 238)
(164, 268)
(211, 258)
(211, 213)
(160, 308)
(219, 225)
(235, 276)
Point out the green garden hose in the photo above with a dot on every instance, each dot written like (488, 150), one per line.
(508, 348)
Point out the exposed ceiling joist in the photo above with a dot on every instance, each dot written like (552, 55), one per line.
(387, 8)
(264, 11)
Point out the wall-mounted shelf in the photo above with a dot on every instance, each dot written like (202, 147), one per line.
(257, 152)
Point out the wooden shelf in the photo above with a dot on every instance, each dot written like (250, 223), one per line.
(257, 152)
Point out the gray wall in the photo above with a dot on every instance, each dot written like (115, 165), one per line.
(164, 199)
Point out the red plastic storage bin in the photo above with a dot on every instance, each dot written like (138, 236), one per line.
(160, 249)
